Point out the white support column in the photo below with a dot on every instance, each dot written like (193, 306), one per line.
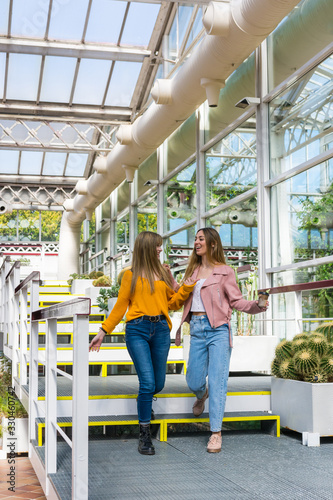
(298, 313)
(23, 305)
(33, 364)
(51, 399)
(80, 407)
(263, 194)
(200, 167)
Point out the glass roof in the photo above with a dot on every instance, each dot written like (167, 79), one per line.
(72, 71)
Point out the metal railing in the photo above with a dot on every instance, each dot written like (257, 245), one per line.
(79, 310)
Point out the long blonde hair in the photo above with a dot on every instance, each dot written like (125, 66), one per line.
(215, 253)
(146, 262)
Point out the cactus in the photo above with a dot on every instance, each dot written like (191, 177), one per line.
(306, 361)
(299, 344)
(301, 336)
(316, 377)
(327, 330)
(275, 368)
(288, 370)
(329, 350)
(102, 281)
(283, 350)
(318, 344)
(326, 365)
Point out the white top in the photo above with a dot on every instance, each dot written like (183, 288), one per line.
(197, 304)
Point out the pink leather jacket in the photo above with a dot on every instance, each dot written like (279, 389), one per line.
(220, 295)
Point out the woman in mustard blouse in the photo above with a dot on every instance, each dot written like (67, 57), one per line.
(147, 294)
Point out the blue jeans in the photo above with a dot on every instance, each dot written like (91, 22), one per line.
(148, 345)
(209, 355)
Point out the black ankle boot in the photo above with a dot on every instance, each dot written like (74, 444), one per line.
(145, 445)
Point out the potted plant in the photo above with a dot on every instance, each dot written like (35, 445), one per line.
(107, 298)
(13, 416)
(302, 385)
(78, 283)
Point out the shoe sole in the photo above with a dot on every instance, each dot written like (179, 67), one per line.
(147, 452)
(214, 451)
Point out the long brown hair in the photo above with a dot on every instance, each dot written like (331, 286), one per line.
(215, 253)
(146, 262)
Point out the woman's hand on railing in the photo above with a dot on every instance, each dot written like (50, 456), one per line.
(96, 342)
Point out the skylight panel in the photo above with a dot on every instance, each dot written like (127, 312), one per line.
(124, 78)
(29, 18)
(67, 20)
(9, 162)
(31, 162)
(54, 164)
(23, 77)
(2, 73)
(4, 9)
(196, 28)
(91, 81)
(105, 21)
(57, 79)
(140, 23)
(76, 164)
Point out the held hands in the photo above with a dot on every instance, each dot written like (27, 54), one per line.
(96, 342)
(190, 281)
(177, 337)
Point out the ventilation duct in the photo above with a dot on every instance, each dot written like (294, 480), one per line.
(215, 58)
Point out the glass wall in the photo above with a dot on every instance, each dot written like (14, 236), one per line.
(30, 226)
(147, 213)
(180, 197)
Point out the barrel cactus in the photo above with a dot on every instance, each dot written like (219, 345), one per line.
(326, 365)
(299, 344)
(306, 361)
(318, 344)
(288, 370)
(283, 350)
(316, 377)
(327, 330)
(275, 368)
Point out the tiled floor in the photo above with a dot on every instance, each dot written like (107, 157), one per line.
(26, 482)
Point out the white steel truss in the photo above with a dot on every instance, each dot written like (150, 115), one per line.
(35, 195)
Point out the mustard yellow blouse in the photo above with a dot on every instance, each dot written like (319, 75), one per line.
(144, 302)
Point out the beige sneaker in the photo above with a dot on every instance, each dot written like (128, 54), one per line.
(199, 405)
(214, 444)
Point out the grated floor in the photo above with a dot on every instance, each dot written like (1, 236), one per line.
(251, 466)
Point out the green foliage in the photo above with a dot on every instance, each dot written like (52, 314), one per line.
(283, 350)
(75, 276)
(5, 383)
(105, 295)
(102, 281)
(95, 274)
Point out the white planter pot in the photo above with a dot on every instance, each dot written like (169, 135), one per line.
(78, 287)
(253, 353)
(302, 406)
(111, 303)
(93, 292)
(21, 443)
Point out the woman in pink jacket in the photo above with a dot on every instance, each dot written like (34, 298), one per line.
(208, 310)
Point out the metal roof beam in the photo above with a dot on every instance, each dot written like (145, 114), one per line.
(107, 115)
(77, 50)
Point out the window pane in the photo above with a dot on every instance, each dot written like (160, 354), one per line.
(231, 165)
(139, 33)
(302, 216)
(23, 68)
(147, 213)
(181, 198)
(76, 164)
(179, 246)
(67, 20)
(28, 222)
(123, 232)
(91, 81)
(105, 28)
(54, 164)
(31, 162)
(237, 227)
(2, 73)
(123, 81)
(8, 227)
(4, 8)
(123, 196)
(57, 79)
(29, 18)
(180, 145)
(300, 119)
(51, 225)
(9, 162)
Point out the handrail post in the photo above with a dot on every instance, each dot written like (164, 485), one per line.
(80, 438)
(51, 399)
(33, 363)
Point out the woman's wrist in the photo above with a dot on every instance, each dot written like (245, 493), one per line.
(105, 332)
